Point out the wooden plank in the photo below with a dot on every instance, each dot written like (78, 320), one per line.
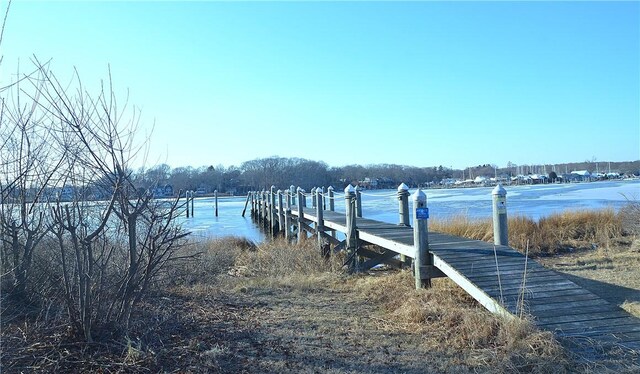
(567, 306)
(482, 297)
(517, 279)
(592, 325)
(607, 314)
(533, 288)
(487, 266)
(509, 283)
(474, 249)
(506, 273)
(404, 249)
(562, 293)
(604, 330)
(481, 262)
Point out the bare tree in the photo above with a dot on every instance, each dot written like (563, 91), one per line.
(104, 279)
(30, 166)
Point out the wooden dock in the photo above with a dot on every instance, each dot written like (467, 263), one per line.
(501, 279)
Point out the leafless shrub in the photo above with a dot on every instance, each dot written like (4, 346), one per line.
(67, 157)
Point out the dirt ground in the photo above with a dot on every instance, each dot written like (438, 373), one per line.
(279, 330)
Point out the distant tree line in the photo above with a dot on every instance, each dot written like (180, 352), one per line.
(282, 172)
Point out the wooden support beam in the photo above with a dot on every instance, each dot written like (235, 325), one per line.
(371, 254)
(377, 260)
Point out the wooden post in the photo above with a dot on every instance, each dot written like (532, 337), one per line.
(314, 201)
(289, 196)
(193, 213)
(245, 204)
(261, 208)
(292, 192)
(324, 198)
(254, 205)
(358, 202)
(264, 209)
(352, 238)
(423, 265)
(403, 205)
(500, 230)
(215, 197)
(320, 222)
(281, 225)
(258, 206)
(301, 204)
(287, 216)
(186, 195)
(272, 211)
(332, 205)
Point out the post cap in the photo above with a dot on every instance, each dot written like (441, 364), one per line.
(499, 191)
(349, 189)
(403, 187)
(330, 188)
(313, 190)
(273, 187)
(419, 196)
(299, 189)
(279, 191)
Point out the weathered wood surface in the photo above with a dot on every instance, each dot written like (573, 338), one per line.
(496, 277)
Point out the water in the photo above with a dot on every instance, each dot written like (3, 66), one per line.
(534, 201)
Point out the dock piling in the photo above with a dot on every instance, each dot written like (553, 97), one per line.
(422, 261)
(281, 225)
(358, 202)
(301, 204)
(332, 205)
(352, 238)
(215, 197)
(500, 230)
(403, 205)
(320, 222)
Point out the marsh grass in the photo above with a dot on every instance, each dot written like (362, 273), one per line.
(555, 233)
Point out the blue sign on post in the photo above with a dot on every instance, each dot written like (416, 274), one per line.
(422, 213)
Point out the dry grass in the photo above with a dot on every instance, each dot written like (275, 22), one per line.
(632, 307)
(552, 234)
(204, 261)
(279, 259)
(462, 225)
(448, 317)
(240, 307)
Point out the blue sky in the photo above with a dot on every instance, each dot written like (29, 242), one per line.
(420, 83)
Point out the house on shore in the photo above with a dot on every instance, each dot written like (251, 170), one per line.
(581, 176)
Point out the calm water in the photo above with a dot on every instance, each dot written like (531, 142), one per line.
(533, 201)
